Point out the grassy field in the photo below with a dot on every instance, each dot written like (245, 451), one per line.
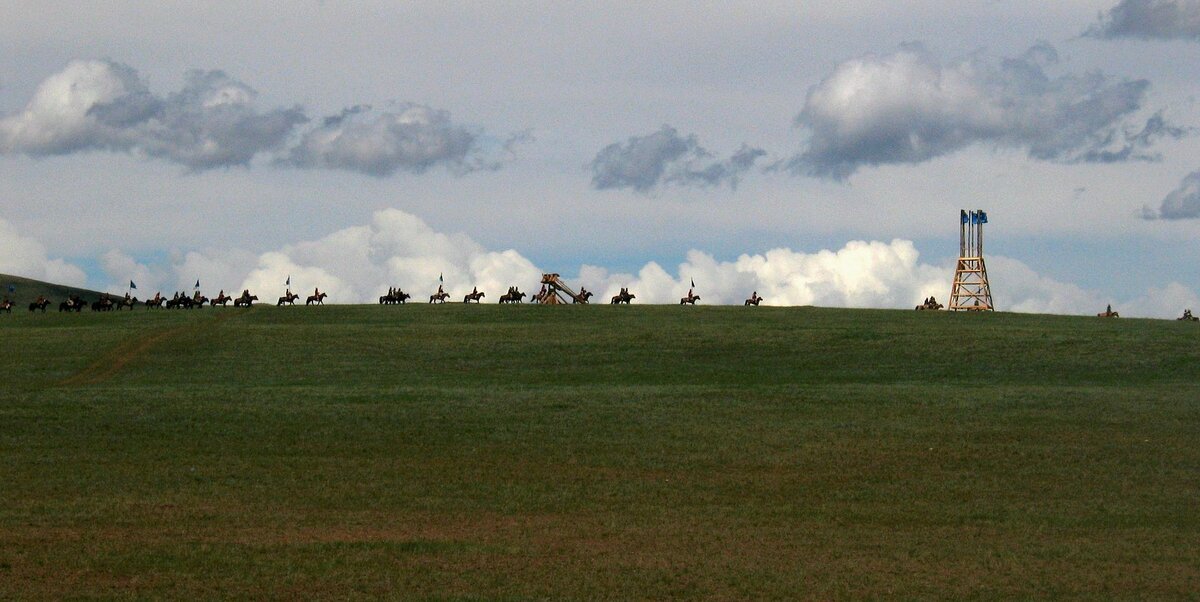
(487, 452)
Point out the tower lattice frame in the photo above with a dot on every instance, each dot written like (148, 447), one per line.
(971, 291)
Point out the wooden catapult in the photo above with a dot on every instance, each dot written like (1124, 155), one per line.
(557, 292)
(971, 291)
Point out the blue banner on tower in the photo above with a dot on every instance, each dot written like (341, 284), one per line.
(964, 215)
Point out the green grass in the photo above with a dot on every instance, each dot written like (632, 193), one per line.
(490, 452)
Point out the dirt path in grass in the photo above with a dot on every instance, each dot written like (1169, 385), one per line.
(112, 363)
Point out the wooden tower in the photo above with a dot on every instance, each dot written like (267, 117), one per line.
(971, 290)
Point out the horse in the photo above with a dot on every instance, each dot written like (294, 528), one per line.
(930, 304)
(753, 300)
(439, 297)
(512, 296)
(104, 304)
(41, 304)
(473, 296)
(155, 303)
(394, 296)
(6, 306)
(221, 300)
(129, 302)
(1188, 317)
(1108, 314)
(72, 303)
(198, 302)
(622, 297)
(689, 300)
(584, 295)
(289, 298)
(247, 300)
(316, 299)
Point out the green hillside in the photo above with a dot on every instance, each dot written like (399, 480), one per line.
(24, 291)
(649, 452)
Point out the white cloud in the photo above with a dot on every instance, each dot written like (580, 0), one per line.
(104, 105)
(26, 257)
(409, 137)
(909, 107)
(358, 264)
(860, 274)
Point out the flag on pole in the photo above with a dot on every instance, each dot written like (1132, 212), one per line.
(964, 215)
(12, 288)
(440, 277)
(197, 283)
(693, 283)
(982, 217)
(132, 285)
(289, 281)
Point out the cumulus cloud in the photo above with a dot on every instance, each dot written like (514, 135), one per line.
(664, 157)
(212, 121)
(26, 257)
(408, 137)
(1150, 19)
(909, 107)
(860, 274)
(1181, 203)
(104, 105)
(358, 265)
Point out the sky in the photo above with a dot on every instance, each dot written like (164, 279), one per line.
(815, 152)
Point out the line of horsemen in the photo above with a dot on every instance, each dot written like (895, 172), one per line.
(106, 302)
(394, 296)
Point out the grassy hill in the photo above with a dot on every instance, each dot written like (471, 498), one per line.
(25, 290)
(484, 452)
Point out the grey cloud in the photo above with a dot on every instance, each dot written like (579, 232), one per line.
(104, 105)
(1150, 19)
(1181, 203)
(645, 162)
(908, 107)
(409, 137)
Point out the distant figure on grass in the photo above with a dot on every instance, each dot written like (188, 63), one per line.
(1187, 316)
(394, 296)
(753, 300)
(6, 305)
(930, 303)
(440, 296)
(317, 298)
(690, 299)
(1108, 313)
(514, 295)
(475, 295)
(41, 303)
(221, 299)
(622, 297)
(245, 300)
(584, 294)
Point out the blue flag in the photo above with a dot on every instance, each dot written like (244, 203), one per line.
(693, 283)
(440, 278)
(12, 288)
(964, 215)
(132, 285)
(982, 217)
(289, 281)
(197, 283)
